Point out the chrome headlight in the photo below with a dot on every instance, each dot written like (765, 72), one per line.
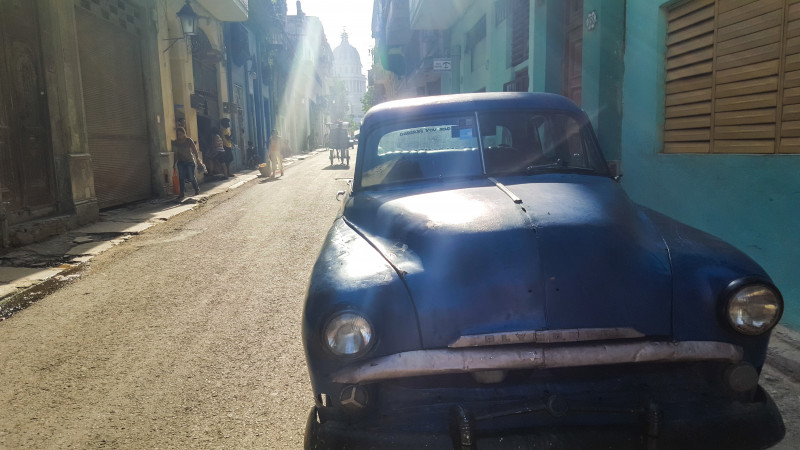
(348, 334)
(752, 308)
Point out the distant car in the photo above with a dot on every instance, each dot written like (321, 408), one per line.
(489, 284)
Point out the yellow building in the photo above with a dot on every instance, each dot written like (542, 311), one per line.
(89, 99)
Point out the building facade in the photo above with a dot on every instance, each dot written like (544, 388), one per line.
(90, 91)
(695, 100)
(302, 113)
(347, 68)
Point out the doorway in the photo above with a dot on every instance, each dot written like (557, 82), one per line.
(205, 67)
(26, 154)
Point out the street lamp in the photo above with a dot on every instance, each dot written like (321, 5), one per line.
(189, 23)
(189, 20)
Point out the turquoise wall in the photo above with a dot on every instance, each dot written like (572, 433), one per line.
(602, 64)
(491, 55)
(602, 72)
(547, 30)
(751, 201)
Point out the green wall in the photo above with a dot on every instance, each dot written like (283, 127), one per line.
(602, 72)
(602, 64)
(751, 201)
(491, 54)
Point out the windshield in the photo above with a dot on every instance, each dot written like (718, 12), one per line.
(497, 143)
(422, 150)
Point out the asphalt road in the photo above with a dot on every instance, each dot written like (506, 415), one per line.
(188, 335)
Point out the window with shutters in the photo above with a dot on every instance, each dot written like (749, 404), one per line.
(733, 77)
(519, 83)
(520, 18)
(476, 34)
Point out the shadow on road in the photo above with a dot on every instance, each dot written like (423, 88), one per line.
(337, 167)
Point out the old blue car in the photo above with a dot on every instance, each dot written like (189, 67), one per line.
(489, 284)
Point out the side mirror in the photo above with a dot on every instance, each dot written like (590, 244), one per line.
(614, 170)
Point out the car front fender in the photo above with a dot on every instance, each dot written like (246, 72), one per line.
(703, 266)
(351, 276)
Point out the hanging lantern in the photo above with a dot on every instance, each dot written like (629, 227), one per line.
(189, 20)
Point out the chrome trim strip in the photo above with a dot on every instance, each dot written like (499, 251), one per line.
(546, 336)
(448, 361)
(506, 190)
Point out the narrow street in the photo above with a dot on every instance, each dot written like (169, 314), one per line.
(186, 336)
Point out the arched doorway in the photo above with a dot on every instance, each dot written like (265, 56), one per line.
(205, 68)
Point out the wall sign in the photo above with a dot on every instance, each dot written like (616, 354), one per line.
(591, 21)
(442, 65)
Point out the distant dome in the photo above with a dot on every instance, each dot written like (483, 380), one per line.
(347, 69)
(346, 55)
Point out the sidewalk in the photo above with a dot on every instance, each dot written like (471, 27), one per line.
(43, 266)
(30, 272)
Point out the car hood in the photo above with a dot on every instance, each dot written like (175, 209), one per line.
(548, 252)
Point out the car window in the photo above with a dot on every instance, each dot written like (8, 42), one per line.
(421, 150)
(517, 142)
(500, 136)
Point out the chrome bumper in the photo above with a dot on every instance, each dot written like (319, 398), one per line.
(464, 360)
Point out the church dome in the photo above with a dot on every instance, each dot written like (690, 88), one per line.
(346, 55)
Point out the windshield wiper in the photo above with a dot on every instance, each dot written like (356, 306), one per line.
(558, 165)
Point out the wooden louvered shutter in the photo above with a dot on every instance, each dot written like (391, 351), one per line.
(733, 77)
(790, 117)
(746, 75)
(520, 16)
(690, 55)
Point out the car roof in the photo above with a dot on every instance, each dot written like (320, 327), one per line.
(455, 103)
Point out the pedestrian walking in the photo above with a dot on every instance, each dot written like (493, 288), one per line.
(217, 154)
(276, 144)
(180, 122)
(227, 143)
(186, 157)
